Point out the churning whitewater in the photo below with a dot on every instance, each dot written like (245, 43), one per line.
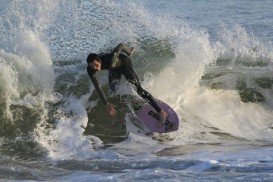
(211, 61)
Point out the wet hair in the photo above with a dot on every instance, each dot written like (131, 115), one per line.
(92, 57)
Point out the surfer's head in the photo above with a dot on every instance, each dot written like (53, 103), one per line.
(94, 61)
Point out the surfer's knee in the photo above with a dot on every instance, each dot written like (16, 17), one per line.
(126, 61)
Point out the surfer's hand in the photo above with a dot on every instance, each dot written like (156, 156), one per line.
(110, 108)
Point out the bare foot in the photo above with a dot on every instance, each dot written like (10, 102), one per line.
(162, 117)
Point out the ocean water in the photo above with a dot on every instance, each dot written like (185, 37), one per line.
(212, 61)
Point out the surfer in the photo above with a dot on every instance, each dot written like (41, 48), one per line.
(118, 63)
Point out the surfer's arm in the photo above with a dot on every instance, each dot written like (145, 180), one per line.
(97, 86)
(98, 89)
(109, 107)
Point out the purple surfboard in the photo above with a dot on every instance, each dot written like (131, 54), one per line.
(149, 117)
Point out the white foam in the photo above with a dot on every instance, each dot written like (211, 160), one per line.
(69, 31)
(28, 69)
(225, 111)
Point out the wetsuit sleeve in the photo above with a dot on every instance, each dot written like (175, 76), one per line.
(95, 82)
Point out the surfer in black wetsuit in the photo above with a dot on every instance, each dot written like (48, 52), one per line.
(118, 63)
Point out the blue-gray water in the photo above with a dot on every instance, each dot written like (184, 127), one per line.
(210, 60)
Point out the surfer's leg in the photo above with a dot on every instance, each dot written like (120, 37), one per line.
(114, 76)
(131, 76)
(147, 96)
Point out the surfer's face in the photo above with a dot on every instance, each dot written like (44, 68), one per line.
(95, 65)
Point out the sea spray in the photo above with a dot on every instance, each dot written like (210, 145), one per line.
(170, 52)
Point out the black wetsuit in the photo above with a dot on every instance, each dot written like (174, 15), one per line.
(120, 64)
